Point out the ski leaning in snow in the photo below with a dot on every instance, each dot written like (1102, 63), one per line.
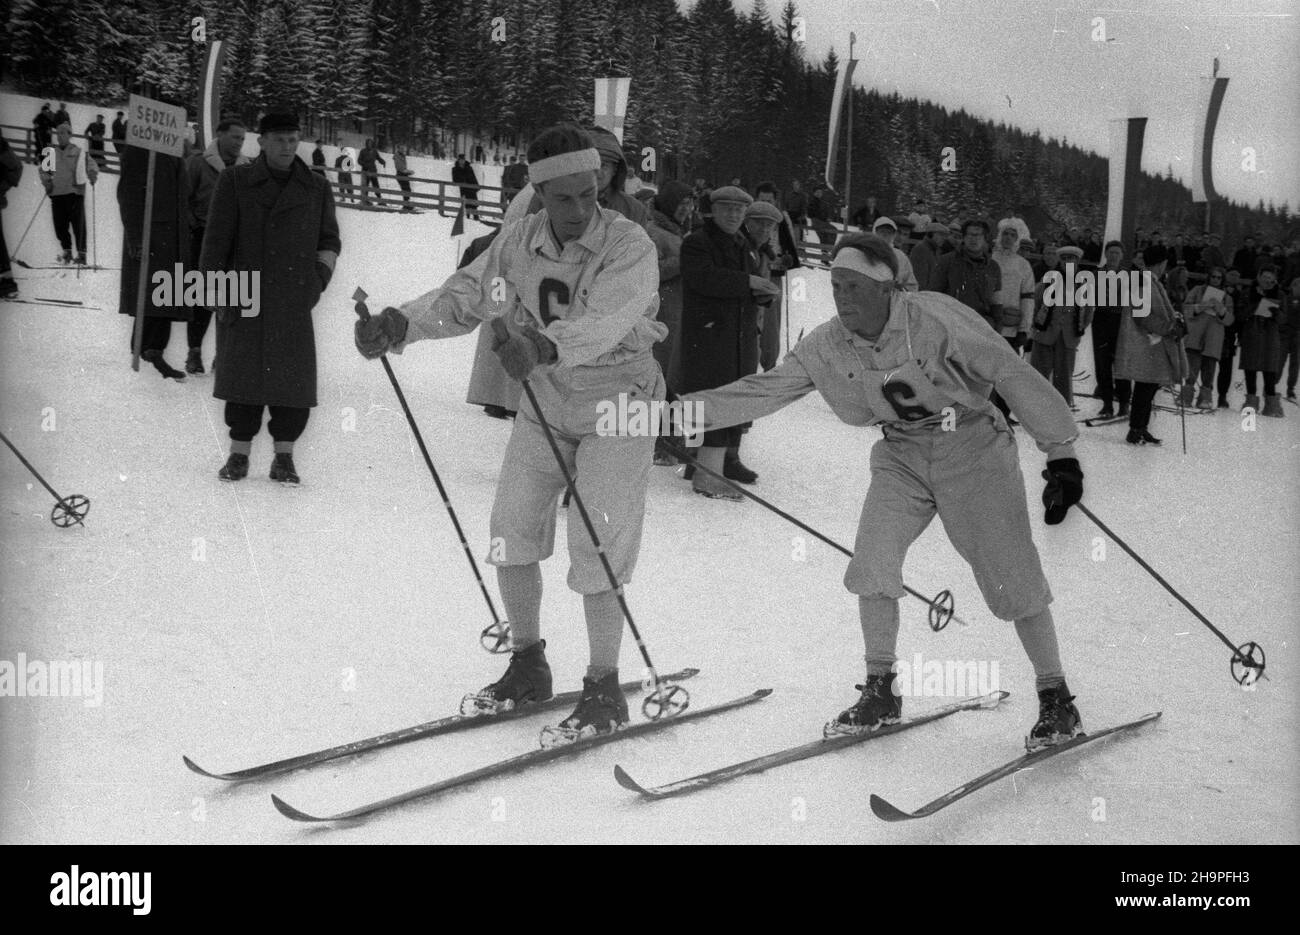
(447, 725)
(66, 303)
(522, 761)
(70, 267)
(888, 812)
(801, 752)
(1095, 421)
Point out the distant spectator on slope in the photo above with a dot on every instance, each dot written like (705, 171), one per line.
(11, 170)
(1263, 318)
(887, 230)
(1057, 330)
(403, 176)
(1149, 365)
(61, 116)
(1105, 342)
(119, 131)
(925, 255)
(462, 173)
(1016, 297)
(786, 257)
(345, 163)
(95, 141)
(318, 159)
(370, 161)
(44, 124)
(1208, 311)
(920, 215)
(66, 186)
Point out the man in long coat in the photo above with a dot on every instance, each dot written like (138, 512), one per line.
(273, 218)
(168, 245)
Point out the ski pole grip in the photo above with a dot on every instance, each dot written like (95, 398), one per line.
(360, 296)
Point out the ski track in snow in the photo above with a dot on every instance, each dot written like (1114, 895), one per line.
(344, 608)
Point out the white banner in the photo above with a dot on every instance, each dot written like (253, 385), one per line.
(611, 104)
(154, 125)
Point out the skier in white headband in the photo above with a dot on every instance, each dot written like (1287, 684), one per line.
(921, 365)
(578, 286)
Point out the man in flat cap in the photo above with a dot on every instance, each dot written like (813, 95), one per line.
(272, 221)
(719, 339)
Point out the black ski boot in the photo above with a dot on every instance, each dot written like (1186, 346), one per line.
(236, 467)
(734, 469)
(602, 709)
(527, 680)
(878, 706)
(282, 469)
(155, 357)
(1058, 719)
(194, 362)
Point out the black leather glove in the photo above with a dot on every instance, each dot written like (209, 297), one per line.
(520, 352)
(1064, 488)
(1179, 330)
(376, 334)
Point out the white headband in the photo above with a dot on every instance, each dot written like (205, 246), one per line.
(854, 259)
(552, 167)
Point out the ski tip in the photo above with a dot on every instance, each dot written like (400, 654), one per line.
(763, 692)
(886, 812)
(288, 811)
(196, 768)
(626, 781)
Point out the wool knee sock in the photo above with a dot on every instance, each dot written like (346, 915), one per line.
(1038, 637)
(879, 619)
(604, 632)
(521, 593)
(240, 448)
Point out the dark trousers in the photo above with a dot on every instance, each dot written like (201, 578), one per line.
(405, 186)
(1270, 382)
(69, 220)
(154, 334)
(1139, 416)
(470, 194)
(1290, 363)
(1225, 361)
(4, 248)
(369, 180)
(197, 327)
(1105, 338)
(245, 421)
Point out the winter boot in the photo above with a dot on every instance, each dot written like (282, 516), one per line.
(194, 362)
(878, 706)
(1273, 407)
(81, 258)
(1122, 411)
(527, 681)
(734, 469)
(1185, 399)
(1106, 413)
(236, 467)
(1142, 437)
(155, 357)
(1058, 719)
(282, 468)
(65, 257)
(602, 709)
(1252, 402)
(1205, 399)
(1223, 401)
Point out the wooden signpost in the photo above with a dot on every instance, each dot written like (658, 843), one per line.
(159, 128)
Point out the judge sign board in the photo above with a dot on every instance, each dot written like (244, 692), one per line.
(156, 126)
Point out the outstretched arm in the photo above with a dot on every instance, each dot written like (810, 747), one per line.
(751, 397)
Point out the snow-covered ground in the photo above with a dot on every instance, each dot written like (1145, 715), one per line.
(239, 623)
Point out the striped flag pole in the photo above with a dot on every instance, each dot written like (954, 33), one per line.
(611, 104)
(1125, 168)
(843, 82)
(1213, 90)
(210, 94)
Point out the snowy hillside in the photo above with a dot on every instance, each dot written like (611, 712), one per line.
(239, 623)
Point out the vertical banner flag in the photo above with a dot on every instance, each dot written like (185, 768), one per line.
(611, 104)
(210, 93)
(1125, 169)
(843, 88)
(1211, 99)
